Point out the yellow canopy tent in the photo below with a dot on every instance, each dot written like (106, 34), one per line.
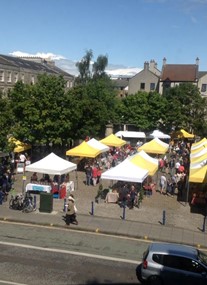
(155, 146)
(143, 160)
(198, 175)
(112, 140)
(195, 151)
(199, 158)
(84, 150)
(199, 144)
(19, 146)
(182, 134)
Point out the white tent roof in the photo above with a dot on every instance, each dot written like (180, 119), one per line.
(52, 164)
(98, 145)
(126, 171)
(130, 134)
(159, 134)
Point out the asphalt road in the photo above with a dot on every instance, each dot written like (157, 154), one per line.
(39, 255)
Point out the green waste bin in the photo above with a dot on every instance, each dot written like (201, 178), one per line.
(46, 202)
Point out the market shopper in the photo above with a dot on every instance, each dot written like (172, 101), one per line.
(71, 211)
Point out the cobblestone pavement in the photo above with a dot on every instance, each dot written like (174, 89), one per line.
(178, 214)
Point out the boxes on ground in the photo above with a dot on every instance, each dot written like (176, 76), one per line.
(46, 202)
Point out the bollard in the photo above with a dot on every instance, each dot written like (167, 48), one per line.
(65, 205)
(92, 208)
(124, 212)
(163, 217)
(35, 201)
(204, 224)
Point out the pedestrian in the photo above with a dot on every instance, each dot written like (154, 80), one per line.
(88, 171)
(71, 211)
(94, 174)
(163, 183)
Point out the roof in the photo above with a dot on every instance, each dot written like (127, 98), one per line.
(121, 82)
(179, 72)
(130, 134)
(173, 248)
(30, 64)
(201, 74)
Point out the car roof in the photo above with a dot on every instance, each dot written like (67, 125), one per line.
(173, 248)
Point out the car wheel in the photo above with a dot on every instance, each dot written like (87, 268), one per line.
(138, 273)
(154, 280)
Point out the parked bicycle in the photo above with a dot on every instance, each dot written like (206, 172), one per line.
(22, 203)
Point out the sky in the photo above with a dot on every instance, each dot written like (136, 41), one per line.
(128, 32)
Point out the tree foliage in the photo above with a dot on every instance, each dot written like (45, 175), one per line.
(185, 108)
(143, 110)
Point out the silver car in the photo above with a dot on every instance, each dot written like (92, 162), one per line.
(173, 264)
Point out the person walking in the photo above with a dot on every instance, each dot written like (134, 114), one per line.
(71, 211)
(88, 171)
(163, 183)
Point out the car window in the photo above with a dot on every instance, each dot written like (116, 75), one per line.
(202, 257)
(158, 258)
(183, 263)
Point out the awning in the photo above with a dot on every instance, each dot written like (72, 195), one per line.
(19, 146)
(113, 140)
(130, 134)
(155, 146)
(143, 160)
(126, 171)
(198, 175)
(84, 150)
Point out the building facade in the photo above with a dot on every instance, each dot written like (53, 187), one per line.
(171, 75)
(13, 69)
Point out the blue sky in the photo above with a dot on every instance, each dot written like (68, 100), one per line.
(129, 32)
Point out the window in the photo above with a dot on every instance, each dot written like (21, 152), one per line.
(15, 77)
(152, 86)
(32, 79)
(9, 76)
(204, 88)
(142, 86)
(22, 78)
(1, 76)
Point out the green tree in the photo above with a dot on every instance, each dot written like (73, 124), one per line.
(84, 68)
(93, 106)
(40, 113)
(143, 110)
(6, 121)
(99, 66)
(185, 108)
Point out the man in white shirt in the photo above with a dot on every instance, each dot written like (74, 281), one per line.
(22, 157)
(163, 183)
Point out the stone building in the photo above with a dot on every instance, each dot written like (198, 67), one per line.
(13, 69)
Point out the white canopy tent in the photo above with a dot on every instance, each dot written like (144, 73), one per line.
(159, 134)
(52, 164)
(126, 171)
(130, 134)
(98, 145)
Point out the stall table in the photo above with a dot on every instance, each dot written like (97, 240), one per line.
(112, 197)
(38, 187)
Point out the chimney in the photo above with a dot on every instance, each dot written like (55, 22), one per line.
(197, 61)
(164, 61)
(146, 65)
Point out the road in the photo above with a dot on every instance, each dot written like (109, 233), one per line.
(47, 255)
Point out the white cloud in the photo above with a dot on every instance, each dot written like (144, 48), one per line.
(120, 72)
(70, 65)
(38, 54)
